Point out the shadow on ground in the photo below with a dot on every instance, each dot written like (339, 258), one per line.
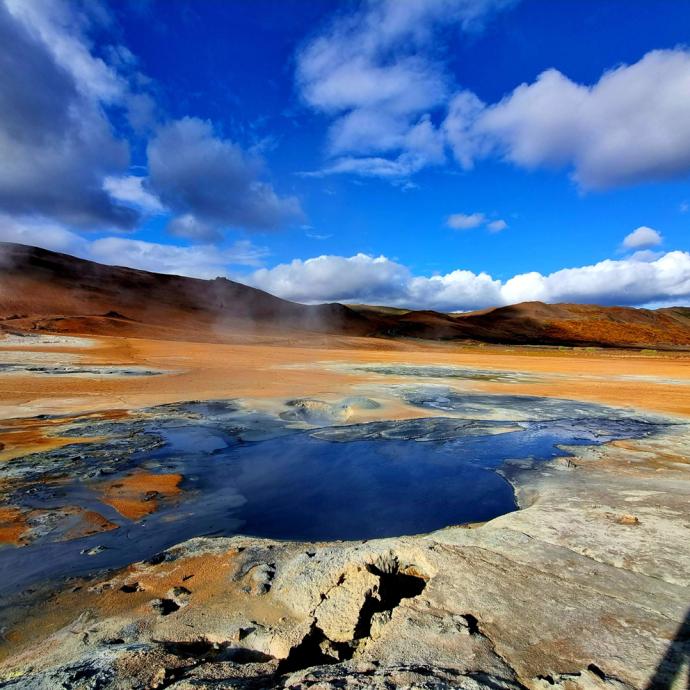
(675, 663)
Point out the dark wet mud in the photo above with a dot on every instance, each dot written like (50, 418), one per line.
(76, 370)
(446, 372)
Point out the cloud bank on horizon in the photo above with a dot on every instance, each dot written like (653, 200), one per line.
(643, 278)
(96, 162)
(364, 279)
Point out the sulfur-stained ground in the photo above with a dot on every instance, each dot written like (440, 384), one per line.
(587, 585)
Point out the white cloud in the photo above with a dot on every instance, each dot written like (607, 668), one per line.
(317, 236)
(375, 73)
(131, 189)
(41, 233)
(463, 221)
(64, 141)
(628, 281)
(63, 28)
(375, 280)
(212, 182)
(645, 255)
(464, 111)
(632, 126)
(636, 280)
(497, 225)
(641, 238)
(402, 166)
(199, 261)
(57, 142)
(333, 278)
(189, 226)
(467, 221)
(643, 278)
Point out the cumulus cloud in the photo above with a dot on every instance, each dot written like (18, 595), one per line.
(642, 238)
(198, 261)
(377, 74)
(374, 72)
(66, 117)
(467, 221)
(379, 280)
(335, 278)
(632, 126)
(643, 278)
(56, 143)
(375, 280)
(212, 182)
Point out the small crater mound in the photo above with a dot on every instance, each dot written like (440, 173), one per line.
(165, 606)
(131, 588)
(594, 669)
(317, 412)
(159, 558)
(472, 624)
(207, 651)
(112, 314)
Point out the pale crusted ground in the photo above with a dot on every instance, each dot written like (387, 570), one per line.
(586, 586)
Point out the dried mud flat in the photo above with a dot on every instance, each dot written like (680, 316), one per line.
(587, 585)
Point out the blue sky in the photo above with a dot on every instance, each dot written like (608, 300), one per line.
(449, 154)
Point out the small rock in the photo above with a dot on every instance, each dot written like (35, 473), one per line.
(378, 621)
(158, 678)
(628, 519)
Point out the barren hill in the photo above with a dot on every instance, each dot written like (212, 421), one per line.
(44, 290)
(582, 324)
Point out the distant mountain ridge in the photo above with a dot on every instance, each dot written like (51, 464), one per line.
(536, 323)
(41, 290)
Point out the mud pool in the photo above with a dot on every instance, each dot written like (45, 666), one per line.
(444, 372)
(245, 472)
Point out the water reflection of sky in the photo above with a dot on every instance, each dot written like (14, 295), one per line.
(253, 474)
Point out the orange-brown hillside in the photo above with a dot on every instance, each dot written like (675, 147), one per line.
(536, 323)
(583, 324)
(43, 290)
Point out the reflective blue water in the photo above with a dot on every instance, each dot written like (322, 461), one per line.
(302, 487)
(243, 474)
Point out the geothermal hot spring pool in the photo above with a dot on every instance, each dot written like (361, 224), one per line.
(255, 474)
